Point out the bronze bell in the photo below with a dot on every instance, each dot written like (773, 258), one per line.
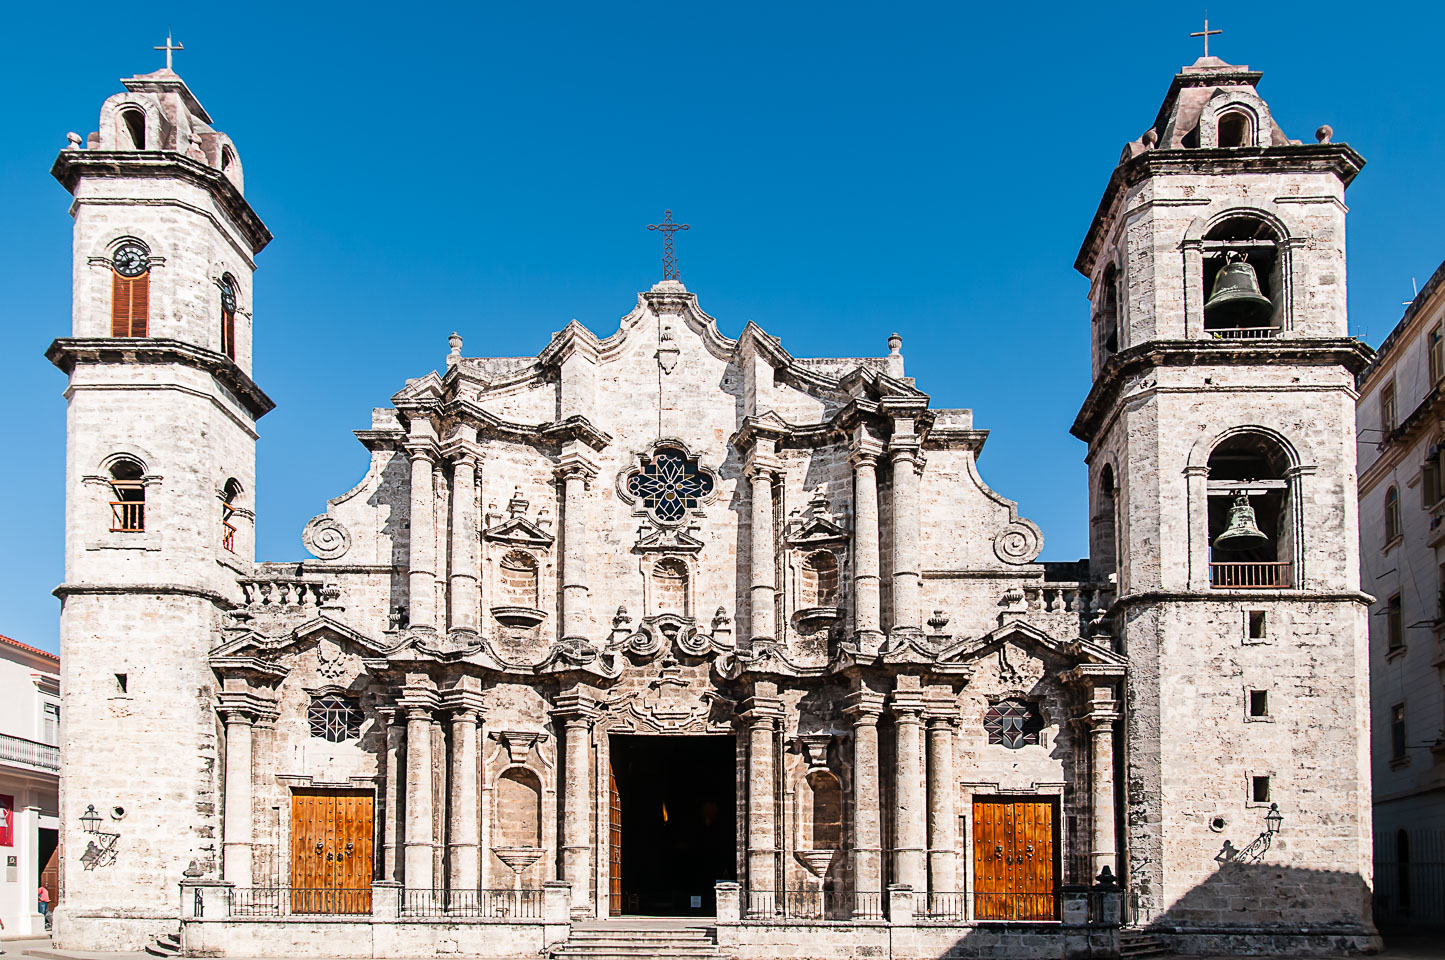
(1236, 300)
(1241, 533)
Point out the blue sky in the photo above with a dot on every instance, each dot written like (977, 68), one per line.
(848, 170)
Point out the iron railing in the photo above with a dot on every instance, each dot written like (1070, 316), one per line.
(127, 516)
(1244, 333)
(20, 750)
(814, 905)
(289, 901)
(1264, 575)
(1410, 878)
(1015, 906)
(943, 905)
(523, 904)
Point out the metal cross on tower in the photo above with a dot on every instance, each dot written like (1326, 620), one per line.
(1206, 33)
(169, 48)
(669, 256)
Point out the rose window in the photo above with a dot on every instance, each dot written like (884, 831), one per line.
(669, 485)
(1013, 724)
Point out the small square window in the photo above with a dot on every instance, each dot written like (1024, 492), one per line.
(121, 682)
(1259, 789)
(1259, 703)
(1256, 624)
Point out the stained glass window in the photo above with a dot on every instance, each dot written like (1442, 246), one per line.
(335, 718)
(1013, 724)
(669, 485)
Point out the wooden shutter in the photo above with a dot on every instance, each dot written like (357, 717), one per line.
(228, 333)
(129, 305)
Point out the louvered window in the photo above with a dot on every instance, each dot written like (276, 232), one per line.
(130, 306)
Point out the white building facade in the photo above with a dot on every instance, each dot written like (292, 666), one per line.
(672, 622)
(29, 783)
(1401, 432)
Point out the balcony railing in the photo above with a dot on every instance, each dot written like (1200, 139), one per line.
(1244, 333)
(127, 516)
(814, 905)
(1263, 575)
(289, 901)
(19, 750)
(515, 904)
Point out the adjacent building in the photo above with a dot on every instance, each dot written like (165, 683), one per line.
(667, 620)
(29, 783)
(1401, 430)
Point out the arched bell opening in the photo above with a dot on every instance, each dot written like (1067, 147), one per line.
(1253, 535)
(1243, 279)
(1104, 551)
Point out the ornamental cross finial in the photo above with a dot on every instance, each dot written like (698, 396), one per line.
(1206, 33)
(169, 48)
(669, 256)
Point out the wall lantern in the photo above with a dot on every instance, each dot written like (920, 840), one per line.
(1273, 819)
(90, 820)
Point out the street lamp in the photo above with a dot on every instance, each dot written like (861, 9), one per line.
(90, 820)
(1273, 819)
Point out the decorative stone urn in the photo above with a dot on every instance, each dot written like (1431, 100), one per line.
(816, 862)
(518, 859)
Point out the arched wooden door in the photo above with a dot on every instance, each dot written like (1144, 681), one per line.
(1015, 858)
(331, 851)
(614, 845)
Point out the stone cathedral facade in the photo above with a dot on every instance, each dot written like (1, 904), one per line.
(667, 621)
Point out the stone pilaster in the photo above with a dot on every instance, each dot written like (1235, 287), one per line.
(395, 721)
(575, 475)
(421, 555)
(762, 714)
(903, 453)
(420, 841)
(236, 825)
(910, 797)
(575, 713)
(464, 566)
(763, 589)
(867, 618)
(863, 708)
(464, 833)
(1100, 721)
(942, 720)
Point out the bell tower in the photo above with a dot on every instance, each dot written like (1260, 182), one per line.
(1222, 500)
(160, 479)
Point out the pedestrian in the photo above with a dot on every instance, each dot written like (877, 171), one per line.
(2, 927)
(43, 895)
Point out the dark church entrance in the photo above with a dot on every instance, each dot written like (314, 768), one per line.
(674, 823)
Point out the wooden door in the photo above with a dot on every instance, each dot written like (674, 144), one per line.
(1015, 851)
(614, 846)
(331, 851)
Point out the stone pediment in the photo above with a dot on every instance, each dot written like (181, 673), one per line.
(817, 532)
(520, 532)
(1076, 652)
(666, 540)
(249, 643)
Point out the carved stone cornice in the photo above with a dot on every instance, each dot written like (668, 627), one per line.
(575, 708)
(907, 706)
(247, 708)
(755, 710)
(574, 464)
(67, 352)
(864, 706)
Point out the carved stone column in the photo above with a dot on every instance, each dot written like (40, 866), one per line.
(909, 797)
(762, 565)
(236, 826)
(464, 841)
(575, 474)
(420, 842)
(421, 556)
(942, 803)
(761, 714)
(867, 619)
(395, 739)
(464, 567)
(907, 605)
(576, 714)
(864, 708)
(1100, 720)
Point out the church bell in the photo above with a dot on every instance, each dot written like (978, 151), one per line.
(1236, 300)
(1241, 533)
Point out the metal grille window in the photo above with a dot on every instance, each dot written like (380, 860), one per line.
(334, 718)
(1013, 724)
(669, 485)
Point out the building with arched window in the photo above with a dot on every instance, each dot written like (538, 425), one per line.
(666, 620)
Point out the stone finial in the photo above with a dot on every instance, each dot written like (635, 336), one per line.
(74, 139)
(938, 621)
(1324, 133)
(544, 518)
(454, 352)
(895, 345)
(1150, 138)
(517, 506)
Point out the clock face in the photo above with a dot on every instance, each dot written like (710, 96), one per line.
(228, 298)
(130, 260)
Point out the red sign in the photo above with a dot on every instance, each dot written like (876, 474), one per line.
(7, 828)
